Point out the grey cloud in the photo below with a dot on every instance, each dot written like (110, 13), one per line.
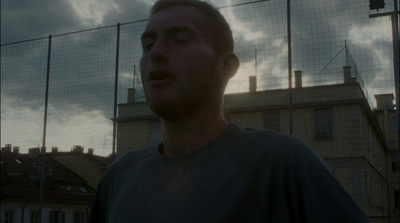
(319, 31)
(25, 19)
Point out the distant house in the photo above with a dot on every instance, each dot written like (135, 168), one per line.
(335, 119)
(67, 196)
(89, 166)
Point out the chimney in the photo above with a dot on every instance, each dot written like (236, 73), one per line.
(347, 75)
(7, 148)
(77, 149)
(90, 151)
(34, 152)
(298, 78)
(384, 101)
(131, 95)
(54, 149)
(16, 149)
(252, 84)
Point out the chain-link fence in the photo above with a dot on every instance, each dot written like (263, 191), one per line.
(342, 68)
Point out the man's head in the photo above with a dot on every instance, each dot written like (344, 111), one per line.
(184, 69)
(220, 29)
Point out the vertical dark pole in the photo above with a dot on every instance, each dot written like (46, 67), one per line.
(134, 76)
(116, 91)
(290, 68)
(345, 53)
(396, 58)
(43, 150)
(256, 60)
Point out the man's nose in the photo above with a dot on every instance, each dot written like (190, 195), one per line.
(159, 53)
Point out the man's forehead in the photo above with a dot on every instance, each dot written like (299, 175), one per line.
(178, 16)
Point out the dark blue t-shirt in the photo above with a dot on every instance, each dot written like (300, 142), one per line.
(245, 175)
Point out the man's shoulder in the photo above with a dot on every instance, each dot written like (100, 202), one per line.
(264, 140)
(264, 147)
(131, 158)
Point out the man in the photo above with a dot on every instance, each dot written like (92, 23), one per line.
(206, 170)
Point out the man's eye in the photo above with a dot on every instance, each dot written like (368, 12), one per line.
(182, 37)
(147, 45)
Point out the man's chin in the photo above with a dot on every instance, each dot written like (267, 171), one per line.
(165, 111)
(168, 115)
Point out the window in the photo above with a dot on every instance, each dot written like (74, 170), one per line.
(397, 199)
(395, 163)
(155, 135)
(393, 124)
(76, 190)
(323, 124)
(57, 217)
(272, 120)
(34, 217)
(79, 217)
(8, 216)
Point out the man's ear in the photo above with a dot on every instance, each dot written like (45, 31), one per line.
(228, 65)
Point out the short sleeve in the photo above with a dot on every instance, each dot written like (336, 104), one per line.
(294, 184)
(325, 199)
(313, 191)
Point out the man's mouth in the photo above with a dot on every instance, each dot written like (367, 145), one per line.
(160, 76)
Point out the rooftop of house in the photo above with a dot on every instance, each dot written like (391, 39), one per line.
(21, 175)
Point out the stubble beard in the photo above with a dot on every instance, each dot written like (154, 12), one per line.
(182, 104)
(176, 109)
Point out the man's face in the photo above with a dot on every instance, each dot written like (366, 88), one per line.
(178, 64)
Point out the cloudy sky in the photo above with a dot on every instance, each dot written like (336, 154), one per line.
(83, 63)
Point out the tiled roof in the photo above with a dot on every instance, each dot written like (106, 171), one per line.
(20, 179)
(12, 163)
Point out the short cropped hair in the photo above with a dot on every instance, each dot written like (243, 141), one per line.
(221, 31)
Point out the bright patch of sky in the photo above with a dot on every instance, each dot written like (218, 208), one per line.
(368, 33)
(240, 28)
(93, 12)
(24, 125)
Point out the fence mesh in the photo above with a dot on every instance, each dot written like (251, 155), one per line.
(338, 115)
(23, 81)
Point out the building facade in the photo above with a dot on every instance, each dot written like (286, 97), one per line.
(336, 120)
(89, 166)
(386, 115)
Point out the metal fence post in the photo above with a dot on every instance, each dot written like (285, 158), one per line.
(43, 150)
(116, 90)
(290, 68)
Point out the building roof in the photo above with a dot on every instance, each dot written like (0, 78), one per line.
(20, 179)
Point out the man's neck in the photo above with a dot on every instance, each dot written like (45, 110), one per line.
(190, 134)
